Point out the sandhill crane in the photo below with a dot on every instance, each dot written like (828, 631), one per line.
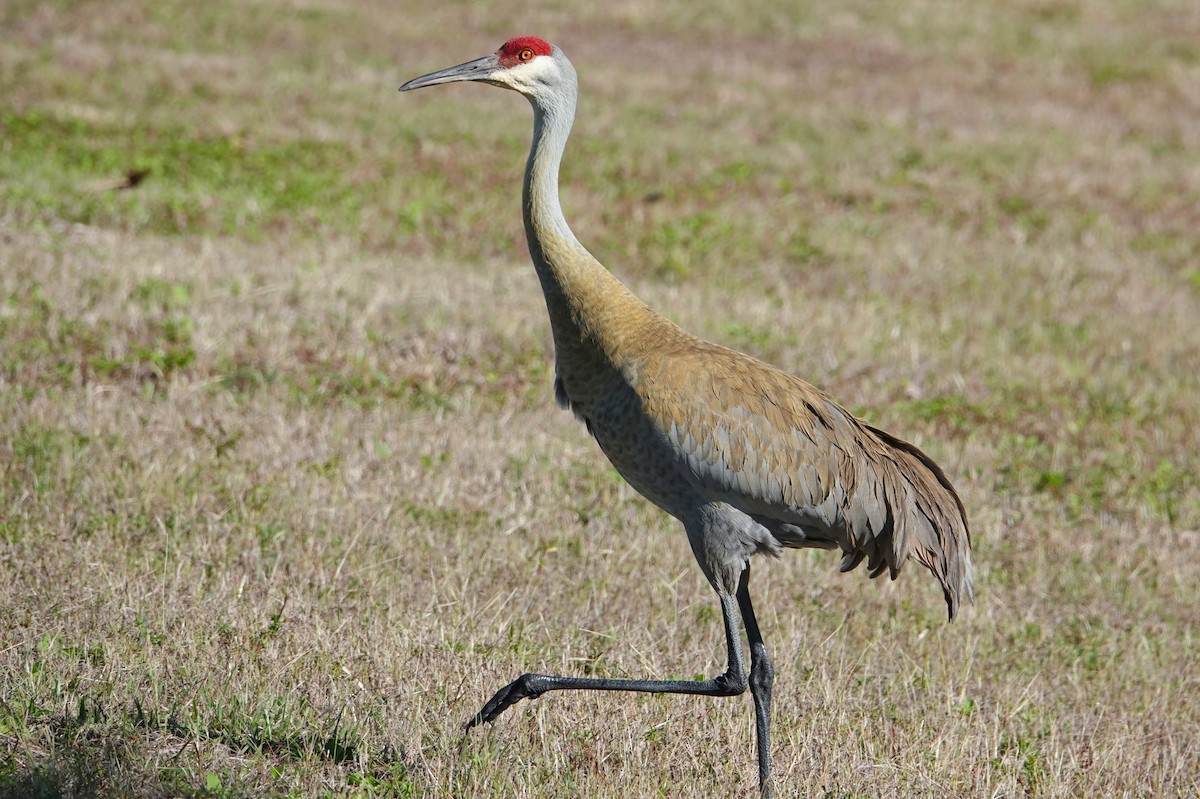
(749, 458)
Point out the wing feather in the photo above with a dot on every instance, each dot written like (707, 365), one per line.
(780, 450)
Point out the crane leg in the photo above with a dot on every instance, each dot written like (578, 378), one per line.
(733, 682)
(762, 677)
(531, 686)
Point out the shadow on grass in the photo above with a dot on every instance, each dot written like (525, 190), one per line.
(89, 775)
(106, 752)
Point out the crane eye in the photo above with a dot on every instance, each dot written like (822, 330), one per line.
(525, 54)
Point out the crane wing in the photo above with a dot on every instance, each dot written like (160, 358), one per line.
(781, 451)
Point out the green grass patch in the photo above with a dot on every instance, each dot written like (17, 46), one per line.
(171, 181)
(50, 346)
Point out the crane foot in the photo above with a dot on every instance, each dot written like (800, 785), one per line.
(524, 687)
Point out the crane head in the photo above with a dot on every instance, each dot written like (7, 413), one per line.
(525, 64)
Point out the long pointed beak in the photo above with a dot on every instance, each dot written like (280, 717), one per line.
(479, 69)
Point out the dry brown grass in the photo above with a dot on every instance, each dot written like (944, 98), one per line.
(283, 496)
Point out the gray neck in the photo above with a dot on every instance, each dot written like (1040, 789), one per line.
(591, 313)
(545, 226)
(560, 260)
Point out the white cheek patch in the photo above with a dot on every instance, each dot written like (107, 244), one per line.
(541, 69)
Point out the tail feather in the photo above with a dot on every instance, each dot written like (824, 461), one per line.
(926, 519)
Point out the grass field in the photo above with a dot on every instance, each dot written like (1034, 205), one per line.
(284, 495)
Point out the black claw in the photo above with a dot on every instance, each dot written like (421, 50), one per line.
(506, 697)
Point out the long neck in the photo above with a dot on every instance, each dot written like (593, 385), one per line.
(550, 238)
(591, 312)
